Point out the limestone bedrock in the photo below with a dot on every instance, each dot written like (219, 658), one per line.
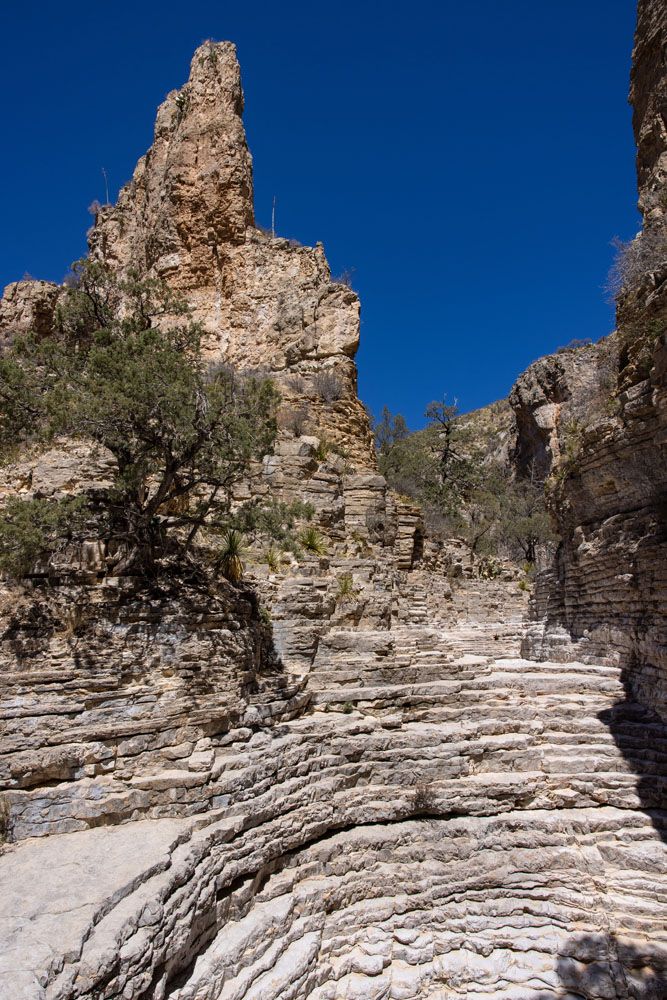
(367, 792)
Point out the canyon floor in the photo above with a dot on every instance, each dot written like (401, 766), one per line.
(420, 818)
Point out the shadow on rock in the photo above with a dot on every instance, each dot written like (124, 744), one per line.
(606, 967)
(641, 736)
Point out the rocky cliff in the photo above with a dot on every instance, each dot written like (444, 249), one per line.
(364, 791)
(265, 303)
(596, 419)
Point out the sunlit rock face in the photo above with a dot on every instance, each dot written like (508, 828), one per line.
(265, 303)
(362, 792)
(602, 429)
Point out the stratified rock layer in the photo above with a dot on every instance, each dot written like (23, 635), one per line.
(602, 428)
(264, 303)
(365, 792)
(449, 826)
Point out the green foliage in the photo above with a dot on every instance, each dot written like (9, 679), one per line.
(312, 540)
(346, 588)
(124, 368)
(272, 520)
(322, 450)
(229, 558)
(464, 491)
(438, 466)
(31, 530)
(272, 558)
(525, 521)
(388, 431)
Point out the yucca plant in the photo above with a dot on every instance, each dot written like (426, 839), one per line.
(272, 558)
(345, 587)
(229, 560)
(312, 540)
(322, 450)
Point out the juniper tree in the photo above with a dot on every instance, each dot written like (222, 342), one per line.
(124, 369)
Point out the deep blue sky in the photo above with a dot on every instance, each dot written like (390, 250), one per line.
(471, 161)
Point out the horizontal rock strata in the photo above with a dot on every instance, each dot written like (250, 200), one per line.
(361, 790)
(485, 832)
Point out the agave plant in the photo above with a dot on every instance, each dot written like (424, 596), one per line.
(312, 540)
(229, 560)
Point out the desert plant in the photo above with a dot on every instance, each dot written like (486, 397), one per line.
(312, 541)
(389, 430)
(322, 451)
(328, 386)
(346, 588)
(297, 384)
(229, 557)
(32, 530)
(272, 558)
(574, 345)
(295, 421)
(114, 371)
(344, 278)
(638, 257)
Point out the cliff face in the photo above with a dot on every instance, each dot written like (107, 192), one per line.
(607, 594)
(363, 792)
(264, 303)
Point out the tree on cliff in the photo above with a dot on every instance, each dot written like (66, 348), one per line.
(124, 368)
(464, 491)
(437, 465)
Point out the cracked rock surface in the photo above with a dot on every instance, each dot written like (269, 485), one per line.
(369, 796)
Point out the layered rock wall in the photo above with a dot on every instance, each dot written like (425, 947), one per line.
(264, 303)
(359, 790)
(606, 597)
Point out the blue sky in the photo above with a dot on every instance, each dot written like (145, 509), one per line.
(471, 162)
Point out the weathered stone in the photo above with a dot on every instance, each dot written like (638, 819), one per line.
(374, 796)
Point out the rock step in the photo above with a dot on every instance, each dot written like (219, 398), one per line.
(513, 905)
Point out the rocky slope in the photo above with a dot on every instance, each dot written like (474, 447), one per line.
(365, 791)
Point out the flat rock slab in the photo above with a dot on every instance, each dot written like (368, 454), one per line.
(53, 890)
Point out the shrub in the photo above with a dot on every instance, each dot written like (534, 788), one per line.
(297, 384)
(637, 258)
(114, 372)
(229, 558)
(328, 386)
(345, 588)
(574, 345)
(344, 278)
(322, 450)
(31, 530)
(295, 421)
(388, 430)
(312, 540)
(272, 558)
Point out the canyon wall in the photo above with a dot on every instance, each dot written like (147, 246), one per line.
(265, 303)
(341, 780)
(595, 419)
